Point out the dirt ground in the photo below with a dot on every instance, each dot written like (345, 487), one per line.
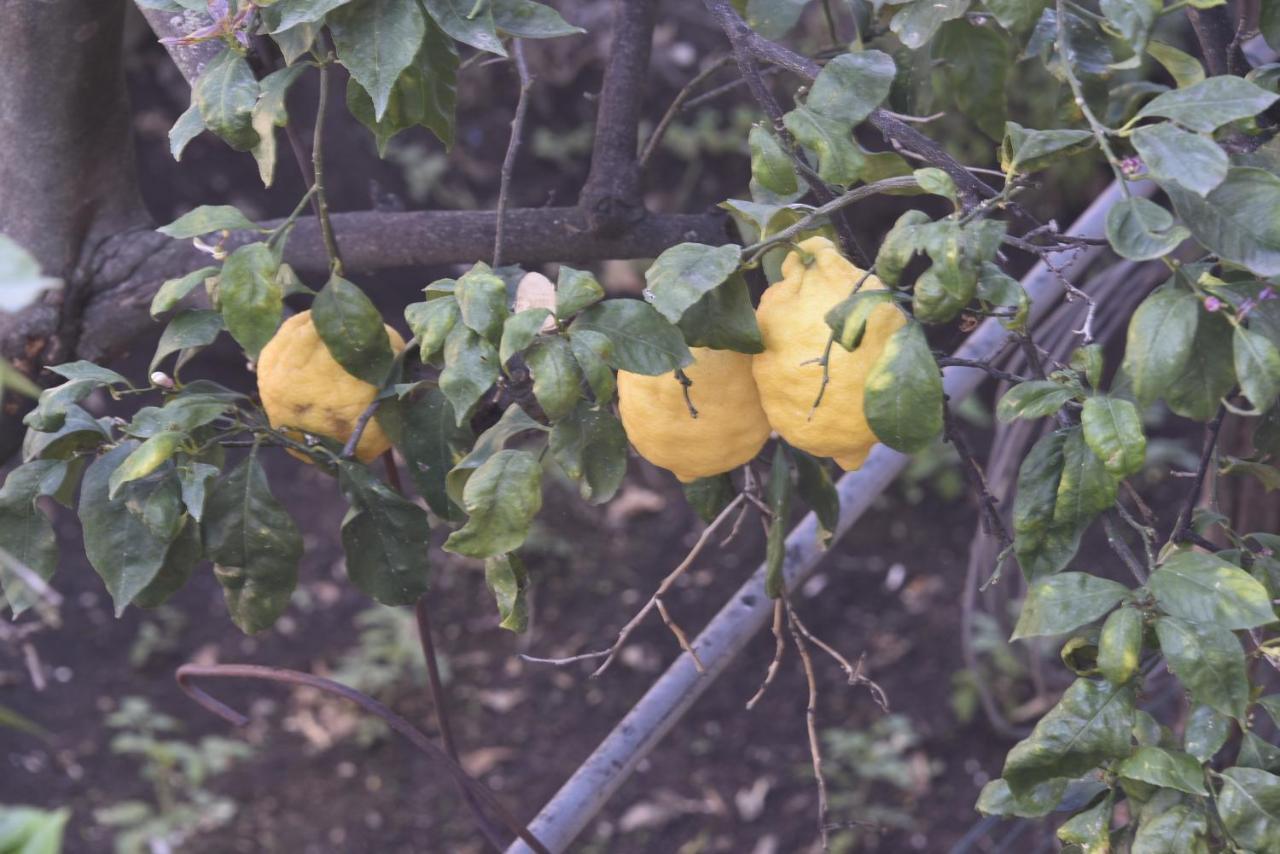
(725, 780)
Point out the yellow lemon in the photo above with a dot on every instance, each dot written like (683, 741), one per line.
(305, 389)
(730, 428)
(792, 318)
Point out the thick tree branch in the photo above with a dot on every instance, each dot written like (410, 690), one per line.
(611, 195)
(898, 133)
(1216, 34)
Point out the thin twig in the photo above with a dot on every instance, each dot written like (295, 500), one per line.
(811, 724)
(1122, 550)
(840, 202)
(950, 362)
(780, 647)
(1182, 528)
(853, 673)
(653, 604)
(412, 734)
(677, 104)
(513, 146)
(317, 175)
(439, 701)
(992, 521)
(681, 637)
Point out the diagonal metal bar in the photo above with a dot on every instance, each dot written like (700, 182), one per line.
(749, 610)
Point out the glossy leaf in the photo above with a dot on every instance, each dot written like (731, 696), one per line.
(1249, 804)
(1207, 589)
(1180, 829)
(174, 291)
(207, 219)
(1113, 431)
(514, 422)
(1089, 724)
(851, 85)
(778, 494)
(1026, 150)
(1140, 230)
(1206, 731)
(144, 459)
(1159, 341)
(377, 40)
(724, 319)
(519, 331)
(1133, 19)
(468, 22)
(431, 322)
(26, 534)
(352, 330)
(1172, 154)
(385, 537)
(556, 377)
(1211, 103)
(904, 392)
(591, 446)
(426, 432)
(771, 165)
(1034, 399)
(471, 368)
(1120, 645)
(975, 62)
(1090, 829)
(529, 20)
(1208, 661)
(285, 14)
(1168, 769)
(482, 299)
(1209, 373)
(250, 296)
(425, 94)
(501, 498)
(575, 290)
(1257, 363)
(644, 342)
(840, 161)
(226, 94)
(1234, 220)
(814, 485)
(686, 272)
(506, 576)
(593, 351)
(187, 330)
(916, 22)
(1059, 603)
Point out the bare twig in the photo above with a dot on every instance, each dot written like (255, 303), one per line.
(950, 361)
(1122, 550)
(189, 672)
(1182, 531)
(992, 521)
(681, 637)
(677, 105)
(317, 175)
(840, 202)
(654, 602)
(780, 647)
(811, 724)
(513, 145)
(853, 673)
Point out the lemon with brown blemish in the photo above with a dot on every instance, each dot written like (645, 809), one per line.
(788, 373)
(305, 390)
(728, 430)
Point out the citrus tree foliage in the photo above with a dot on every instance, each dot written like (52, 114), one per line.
(1118, 82)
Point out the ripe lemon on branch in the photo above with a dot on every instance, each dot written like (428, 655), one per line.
(729, 429)
(305, 390)
(789, 373)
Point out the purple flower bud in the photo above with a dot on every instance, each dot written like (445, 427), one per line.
(1212, 303)
(1267, 293)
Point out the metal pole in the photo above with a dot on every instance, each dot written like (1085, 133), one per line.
(749, 610)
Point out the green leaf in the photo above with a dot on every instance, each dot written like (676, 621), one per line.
(1178, 830)
(1211, 103)
(851, 85)
(1016, 16)
(251, 297)
(1120, 645)
(180, 414)
(186, 331)
(556, 377)
(376, 40)
(385, 537)
(269, 113)
(771, 165)
(1090, 724)
(813, 482)
(1059, 603)
(51, 409)
(899, 246)
(575, 290)
(975, 62)
(1024, 150)
(528, 20)
(593, 352)
(470, 369)
(708, 496)
(513, 422)
(1206, 589)
(254, 545)
(1168, 769)
(26, 534)
(591, 446)
(996, 798)
(1209, 374)
(1086, 487)
(425, 94)
(1206, 731)
(180, 559)
(778, 494)
(1208, 661)
(1113, 431)
(840, 161)
(943, 290)
(482, 298)
(501, 498)
(644, 342)
(1249, 805)
(916, 22)
(188, 126)
(285, 14)
(431, 322)
(193, 479)
(27, 830)
(1235, 220)
(1179, 156)
(519, 331)
(848, 318)
(1133, 19)
(1185, 69)
(206, 219)
(1034, 399)
(506, 576)
(724, 319)
(904, 392)
(79, 431)
(124, 548)
(144, 459)
(428, 436)
(1158, 345)
(1257, 363)
(226, 94)
(772, 19)
(1140, 230)
(1091, 829)
(686, 272)
(352, 330)
(1256, 752)
(467, 21)
(1045, 540)
(174, 291)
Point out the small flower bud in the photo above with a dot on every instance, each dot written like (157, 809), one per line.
(1212, 303)
(161, 379)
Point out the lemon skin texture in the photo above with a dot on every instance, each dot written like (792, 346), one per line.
(792, 319)
(303, 388)
(729, 431)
